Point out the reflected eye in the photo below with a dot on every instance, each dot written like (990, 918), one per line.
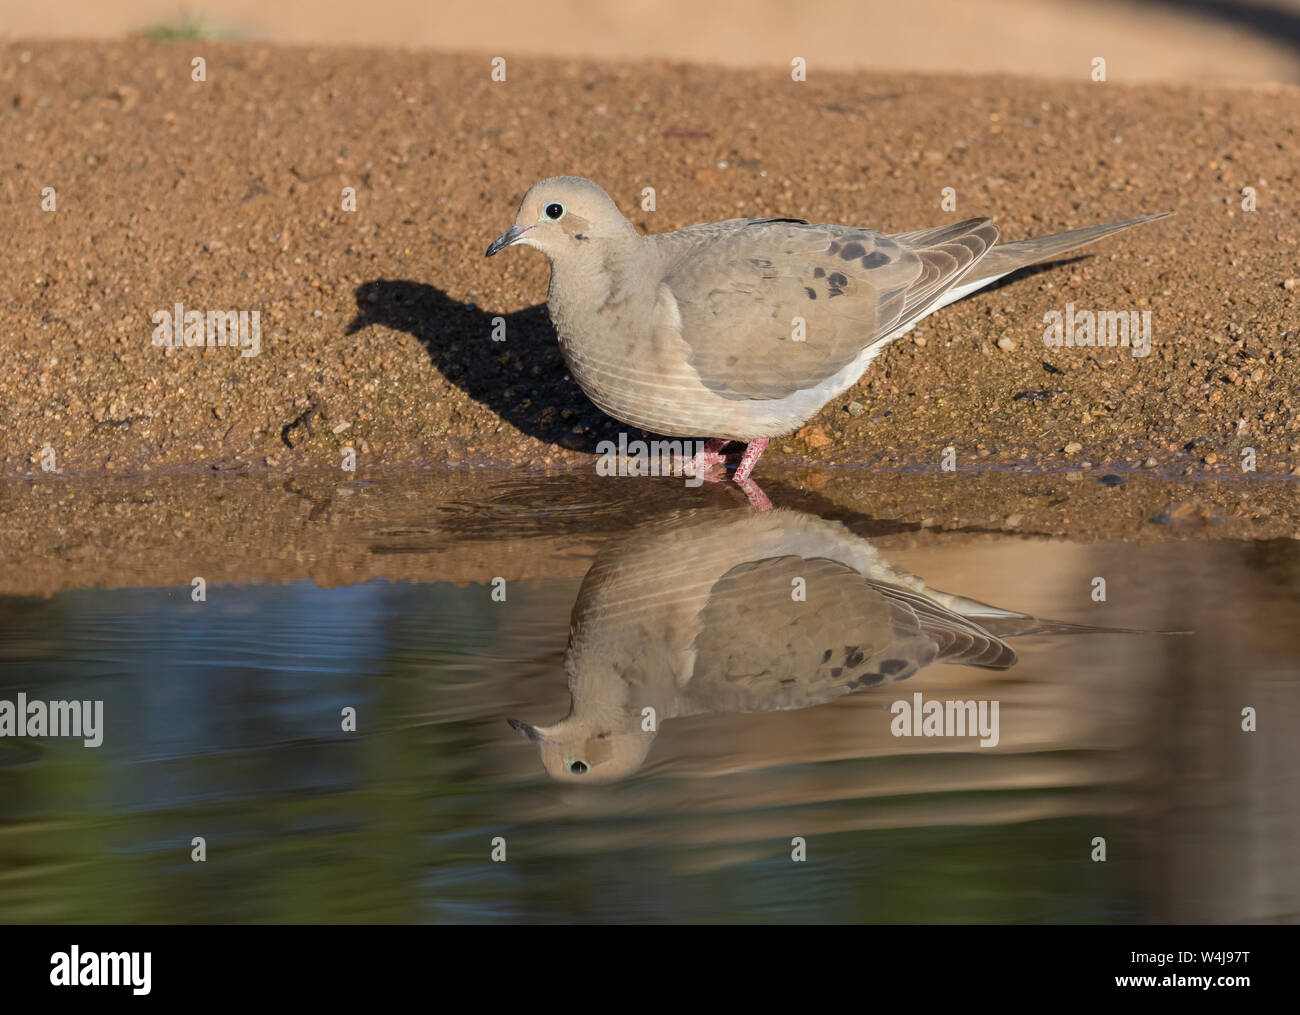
(554, 211)
(578, 768)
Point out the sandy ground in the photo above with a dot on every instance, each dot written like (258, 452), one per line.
(225, 194)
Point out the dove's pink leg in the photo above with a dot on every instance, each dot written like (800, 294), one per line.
(753, 452)
(756, 497)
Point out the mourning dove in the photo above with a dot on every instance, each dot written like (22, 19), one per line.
(739, 611)
(696, 333)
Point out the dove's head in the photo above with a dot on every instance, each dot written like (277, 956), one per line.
(562, 216)
(583, 750)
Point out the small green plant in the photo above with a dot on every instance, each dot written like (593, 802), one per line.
(188, 29)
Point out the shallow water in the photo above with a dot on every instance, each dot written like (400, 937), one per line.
(222, 719)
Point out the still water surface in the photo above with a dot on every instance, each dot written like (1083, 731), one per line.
(222, 719)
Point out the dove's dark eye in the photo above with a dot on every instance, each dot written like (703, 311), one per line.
(554, 211)
(578, 768)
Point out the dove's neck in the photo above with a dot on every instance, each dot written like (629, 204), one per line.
(601, 284)
(611, 688)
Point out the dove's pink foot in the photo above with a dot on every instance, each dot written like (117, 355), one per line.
(701, 464)
(713, 449)
(753, 452)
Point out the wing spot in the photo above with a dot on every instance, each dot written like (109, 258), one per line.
(852, 250)
(819, 273)
(839, 280)
(892, 666)
(811, 295)
(875, 259)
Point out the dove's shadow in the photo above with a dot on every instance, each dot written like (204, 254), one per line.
(523, 379)
(1028, 271)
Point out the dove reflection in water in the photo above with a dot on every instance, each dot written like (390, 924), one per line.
(738, 611)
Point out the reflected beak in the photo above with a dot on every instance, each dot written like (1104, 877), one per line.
(510, 236)
(522, 728)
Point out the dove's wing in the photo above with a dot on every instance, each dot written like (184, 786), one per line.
(761, 649)
(957, 639)
(734, 290)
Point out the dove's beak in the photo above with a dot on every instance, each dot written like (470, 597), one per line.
(510, 236)
(522, 728)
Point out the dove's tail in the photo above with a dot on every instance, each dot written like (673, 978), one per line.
(1009, 624)
(1022, 625)
(1005, 258)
